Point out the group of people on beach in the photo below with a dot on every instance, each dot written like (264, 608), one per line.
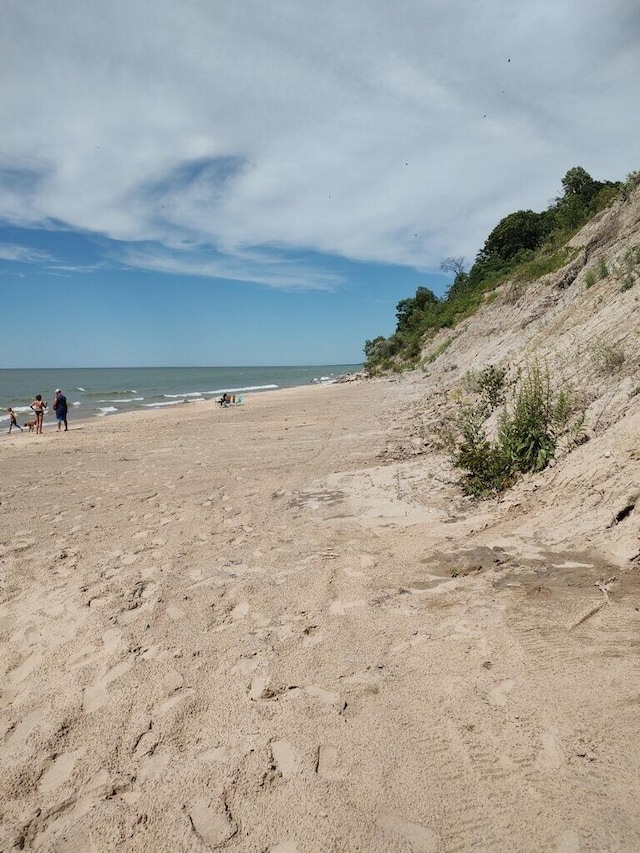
(230, 400)
(39, 407)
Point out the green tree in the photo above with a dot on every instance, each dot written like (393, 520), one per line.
(522, 230)
(409, 311)
(578, 183)
(460, 281)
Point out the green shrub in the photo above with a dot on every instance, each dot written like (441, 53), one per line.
(597, 273)
(490, 384)
(545, 262)
(528, 433)
(607, 358)
(632, 259)
(487, 470)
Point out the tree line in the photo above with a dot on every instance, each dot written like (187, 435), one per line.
(524, 244)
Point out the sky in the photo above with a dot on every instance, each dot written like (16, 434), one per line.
(259, 182)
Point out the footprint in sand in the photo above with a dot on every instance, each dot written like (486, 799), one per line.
(28, 635)
(551, 756)
(110, 640)
(327, 697)
(258, 688)
(155, 653)
(153, 766)
(421, 839)
(85, 656)
(219, 755)
(175, 613)
(369, 680)
(65, 837)
(172, 680)
(568, 842)
(60, 771)
(172, 701)
(284, 757)
(18, 735)
(97, 695)
(246, 666)
(284, 847)
(211, 822)
(89, 654)
(261, 688)
(239, 611)
(328, 763)
(24, 670)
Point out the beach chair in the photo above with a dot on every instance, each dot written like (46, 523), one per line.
(239, 399)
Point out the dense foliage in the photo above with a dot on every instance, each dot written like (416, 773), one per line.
(524, 245)
(533, 419)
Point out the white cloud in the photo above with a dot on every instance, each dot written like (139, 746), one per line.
(273, 270)
(343, 128)
(23, 254)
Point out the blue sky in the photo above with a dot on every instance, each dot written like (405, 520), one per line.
(215, 183)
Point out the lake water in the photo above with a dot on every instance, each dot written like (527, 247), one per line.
(101, 392)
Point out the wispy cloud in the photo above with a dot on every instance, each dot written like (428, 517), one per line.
(369, 130)
(77, 268)
(23, 254)
(270, 270)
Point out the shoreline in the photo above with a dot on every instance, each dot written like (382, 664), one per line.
(101, 392)
(210, 403)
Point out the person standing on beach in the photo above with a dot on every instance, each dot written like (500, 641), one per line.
(60, 408)
(13, 420)
(38, 407)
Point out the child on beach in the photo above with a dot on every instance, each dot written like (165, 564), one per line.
(13, 420)
(38, 407)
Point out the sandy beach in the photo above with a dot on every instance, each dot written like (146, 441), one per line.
(255, 629)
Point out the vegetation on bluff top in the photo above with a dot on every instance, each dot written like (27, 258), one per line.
(523, 246)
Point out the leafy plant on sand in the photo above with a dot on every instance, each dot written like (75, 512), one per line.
(528, 431)
(490, 384)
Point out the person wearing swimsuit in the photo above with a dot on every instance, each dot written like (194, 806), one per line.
(13, 422)
(38, 407)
